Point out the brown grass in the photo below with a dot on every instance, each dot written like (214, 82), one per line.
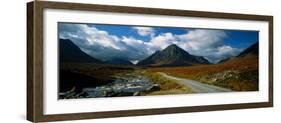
(167, 85)
(246, 79)
(99, 71)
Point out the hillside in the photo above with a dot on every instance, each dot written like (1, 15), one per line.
(119, 61)
(172, 56)
(250, 53)
(69, 52)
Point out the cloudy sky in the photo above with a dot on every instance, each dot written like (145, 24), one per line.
(135, 43)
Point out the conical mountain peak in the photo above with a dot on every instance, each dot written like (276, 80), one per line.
(173, 47)
(172, 55)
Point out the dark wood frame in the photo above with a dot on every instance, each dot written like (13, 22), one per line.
(35, 60)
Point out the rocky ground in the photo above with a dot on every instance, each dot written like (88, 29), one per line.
(125, 85)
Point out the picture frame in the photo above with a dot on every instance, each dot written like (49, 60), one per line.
(36, 55)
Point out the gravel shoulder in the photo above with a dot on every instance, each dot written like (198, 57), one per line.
(197, 87)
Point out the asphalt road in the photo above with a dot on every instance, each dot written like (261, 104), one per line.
(197, 87)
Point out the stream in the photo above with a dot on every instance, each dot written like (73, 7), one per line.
(125, 85)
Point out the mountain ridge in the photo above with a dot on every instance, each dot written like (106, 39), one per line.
(119, 61)
(172, 56)
(70, 52)
(250, 52)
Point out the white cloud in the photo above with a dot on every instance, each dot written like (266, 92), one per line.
(200, 39)
(144, 31)
(162, 41)
(89, 36)
(134, 61)
(95, 36)
(221, 52)
(207, 43)
(227, 50)
(102, 45)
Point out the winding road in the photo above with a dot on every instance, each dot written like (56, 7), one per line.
(197, 87)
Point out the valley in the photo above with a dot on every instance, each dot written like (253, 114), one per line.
(166, 72)
(114, 81)
(122, 80)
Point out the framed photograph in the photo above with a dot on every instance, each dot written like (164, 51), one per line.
(96, 61)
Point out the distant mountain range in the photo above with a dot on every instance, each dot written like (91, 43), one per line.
(69, 52)
(251, 52)
(119, 61)
(172, 56)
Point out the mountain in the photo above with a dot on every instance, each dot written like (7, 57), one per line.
(224, 60)
(119, 61)
(251, 52)
(69, 52)
(172, 56)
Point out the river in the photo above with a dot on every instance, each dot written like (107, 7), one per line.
(130, 84)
